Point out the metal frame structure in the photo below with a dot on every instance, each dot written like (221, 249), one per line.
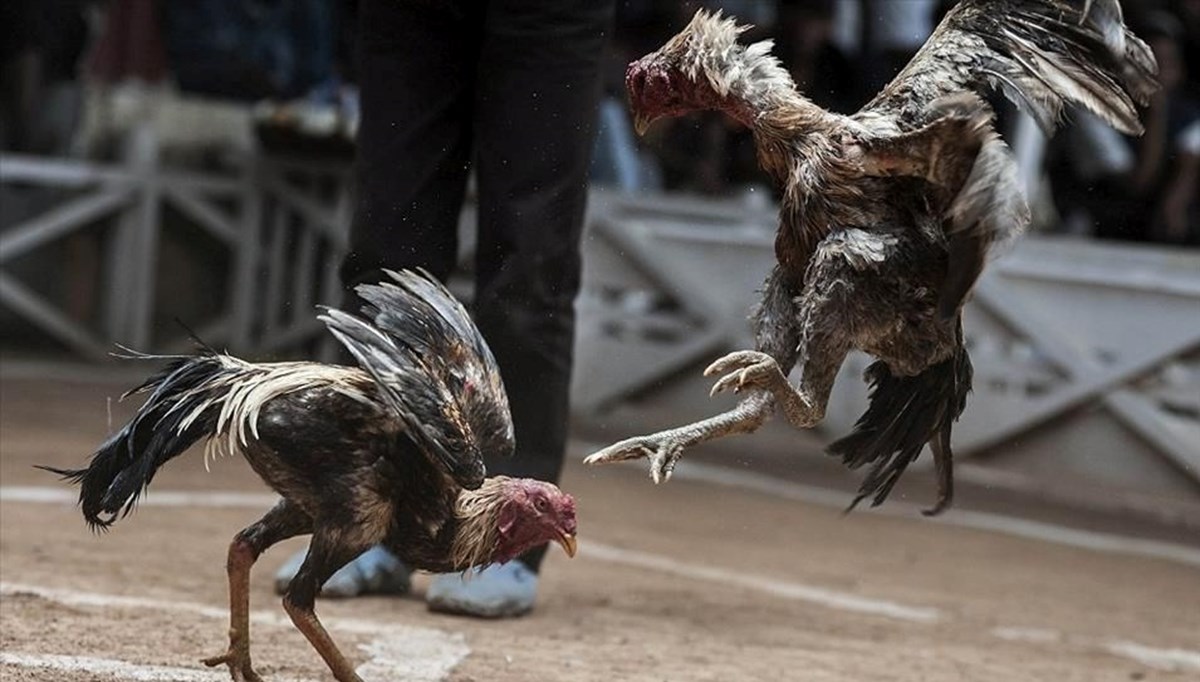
(1087, 355)
(306, 209)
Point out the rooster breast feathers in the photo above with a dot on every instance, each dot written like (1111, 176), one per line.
(433, 370)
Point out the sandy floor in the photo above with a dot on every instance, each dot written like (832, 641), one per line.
(687, 581)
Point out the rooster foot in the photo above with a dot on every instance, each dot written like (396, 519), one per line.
(662, 449)
(238, 660)
(750, 369)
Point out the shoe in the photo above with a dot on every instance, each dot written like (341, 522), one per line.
(375, 571)
(494, 591)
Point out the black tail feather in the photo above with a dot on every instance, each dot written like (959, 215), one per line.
(906, 413)
(122, 467)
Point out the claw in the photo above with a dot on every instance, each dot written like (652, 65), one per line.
(239, 666)
(737, 380)
(617, 452)
(661, 453)
(734, 359)
(658, 469)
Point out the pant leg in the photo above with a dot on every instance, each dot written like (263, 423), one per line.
(536, 102)
(417, 71)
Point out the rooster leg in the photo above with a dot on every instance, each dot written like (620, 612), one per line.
(943, 461)
(285, 520)
(664, 448)
(752, 369)
(804, 406)
(328, 552)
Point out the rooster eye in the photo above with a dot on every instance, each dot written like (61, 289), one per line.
(540, 504)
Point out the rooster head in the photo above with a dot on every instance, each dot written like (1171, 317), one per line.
(702, 67)
(507, 517)
(534, 513)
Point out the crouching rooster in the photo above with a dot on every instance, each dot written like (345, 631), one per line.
(888, 215)
(390, 452)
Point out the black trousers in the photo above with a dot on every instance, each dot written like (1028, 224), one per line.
(510, 88)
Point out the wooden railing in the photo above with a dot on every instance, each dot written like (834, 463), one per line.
(1087, 355)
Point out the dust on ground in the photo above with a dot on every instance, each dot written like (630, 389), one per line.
(1006, 608)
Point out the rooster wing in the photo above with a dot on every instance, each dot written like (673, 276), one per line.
(932, 122)
(433, 369)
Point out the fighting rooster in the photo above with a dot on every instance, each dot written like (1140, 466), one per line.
(389, 453)
(888, 215)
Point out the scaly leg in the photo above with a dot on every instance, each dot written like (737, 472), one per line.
(664, 448)
(325, 556)
(285, 520)
(804, 406)
(943, 462)
(776, 334)
(752, 369)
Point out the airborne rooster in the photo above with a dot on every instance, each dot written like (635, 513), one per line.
(887, 215)
(391, 453)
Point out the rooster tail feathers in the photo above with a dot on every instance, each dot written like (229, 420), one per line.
(904, 414)
(178, 412)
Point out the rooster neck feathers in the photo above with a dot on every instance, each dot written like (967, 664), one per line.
(477, 515)
(749, 82)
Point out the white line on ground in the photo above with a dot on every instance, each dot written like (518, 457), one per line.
(842, 601)
(396, 651)
(1163, 659)
(426, 647)
(1171, 660)
(120, 670)
(744, 480)
(1034, 530)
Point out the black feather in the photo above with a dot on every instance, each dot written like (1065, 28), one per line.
(433, 369)
(904, 414)
(124, 465)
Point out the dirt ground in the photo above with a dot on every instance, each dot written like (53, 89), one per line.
(688, 581)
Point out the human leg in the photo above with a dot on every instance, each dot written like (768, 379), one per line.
(539, 87)
(417, 69)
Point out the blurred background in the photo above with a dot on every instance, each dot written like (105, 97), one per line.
(192, 161)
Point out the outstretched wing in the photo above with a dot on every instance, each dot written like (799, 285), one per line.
(433, 368)
(1042, 54)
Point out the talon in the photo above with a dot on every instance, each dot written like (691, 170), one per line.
(214, 661)
(618, 452)
(239, 666)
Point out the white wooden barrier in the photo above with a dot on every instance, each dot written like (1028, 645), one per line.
(1087, 355)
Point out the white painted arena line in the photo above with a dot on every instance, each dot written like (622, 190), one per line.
(395, 651)
(1033, 530)
(742, 480)
(1173, 659)
(111, 668)
(842, 601)
(1162, 659)
(1170, 660)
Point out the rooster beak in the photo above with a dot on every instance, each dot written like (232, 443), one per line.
(641, 123)
(569, 544)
